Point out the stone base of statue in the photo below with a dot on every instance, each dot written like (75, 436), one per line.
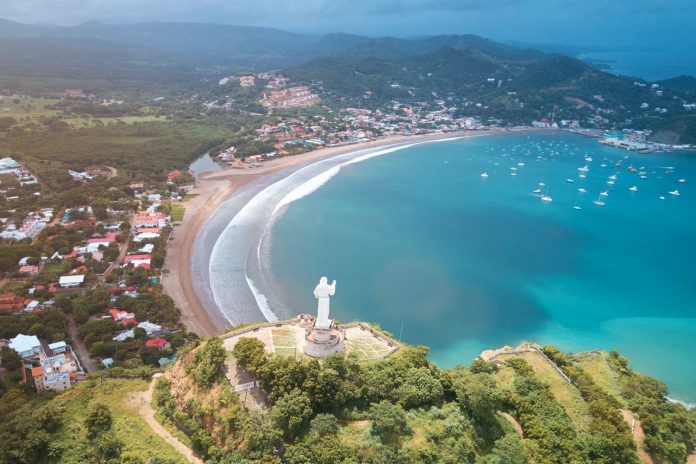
(322, 340)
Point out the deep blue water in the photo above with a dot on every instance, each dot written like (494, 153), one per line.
(651, 65)
(419, 240)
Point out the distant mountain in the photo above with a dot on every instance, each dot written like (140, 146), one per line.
(100, 56)
(492, 80)
(686, 84)
(394, 48)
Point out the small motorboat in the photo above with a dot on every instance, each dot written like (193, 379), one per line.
(674, 193)
(569, 180)
(484, 175)
(582, 190)
(633, 189)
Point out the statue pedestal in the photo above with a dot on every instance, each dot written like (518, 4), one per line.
(321, 342)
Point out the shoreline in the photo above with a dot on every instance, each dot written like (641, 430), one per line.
(186, 276)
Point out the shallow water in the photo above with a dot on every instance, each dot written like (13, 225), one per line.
(421, 244)
(205, 163)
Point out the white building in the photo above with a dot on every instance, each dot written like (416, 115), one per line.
(26, 346)
(71, 281)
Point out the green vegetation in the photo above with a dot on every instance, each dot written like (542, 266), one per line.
(401, 409)
(95, 421)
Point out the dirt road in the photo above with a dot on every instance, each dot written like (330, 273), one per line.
(142, 401)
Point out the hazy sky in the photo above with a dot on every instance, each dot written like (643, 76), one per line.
(657, 23)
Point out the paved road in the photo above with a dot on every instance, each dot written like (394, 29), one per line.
(89, 364)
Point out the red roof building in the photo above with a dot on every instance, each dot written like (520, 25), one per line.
(11, 303)
(159, 343)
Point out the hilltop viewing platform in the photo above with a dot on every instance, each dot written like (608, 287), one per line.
(289, 338)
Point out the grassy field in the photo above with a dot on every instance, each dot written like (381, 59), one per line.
(566, 394)
(597, 367)
(177, 212)
(284, 342)
(139, 439)
(365, 347)
(31, 110)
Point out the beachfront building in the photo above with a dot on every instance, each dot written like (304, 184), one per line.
(148, 219)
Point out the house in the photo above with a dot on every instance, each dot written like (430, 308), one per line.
(140, 260)
(123, 317)
(147, 326)
(11, 303)
(173, 175)
(151, 219)
(159, 343)
(72, 281)
(58, 368)
(26, 346)
(29, 269)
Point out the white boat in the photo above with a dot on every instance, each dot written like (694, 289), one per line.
(599, 203)
(633, 189)
(612, 177)
(513, 173)
(584, 169)
(582, 176)
(610, 182)
(682, 181)
(582, 190)
(569, 180)
(541, 184)
(674, 193)
(576, 206)
(588, 159)
(546, 198)
(536, 191)
(604, 165)
(520, 164)
(662, 197)
(604, 194)
(484, 175)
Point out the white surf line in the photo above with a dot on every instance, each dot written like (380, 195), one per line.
(249, 214)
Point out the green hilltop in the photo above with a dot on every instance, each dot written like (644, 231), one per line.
(246, 405)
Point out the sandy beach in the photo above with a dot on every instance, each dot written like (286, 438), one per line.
(214, 188)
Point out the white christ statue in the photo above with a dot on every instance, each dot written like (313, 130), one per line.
(323, 292)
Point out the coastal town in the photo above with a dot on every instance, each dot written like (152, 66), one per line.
(107, 258)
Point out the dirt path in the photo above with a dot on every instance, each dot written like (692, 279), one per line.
(638, 435)
(142, 402)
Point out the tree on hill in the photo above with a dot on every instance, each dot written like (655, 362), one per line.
(291, 412)
(388, 421)
(98, 420)
(206, 365)
(249, 352)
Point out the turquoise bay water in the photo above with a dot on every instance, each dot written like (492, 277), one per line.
(421, 244)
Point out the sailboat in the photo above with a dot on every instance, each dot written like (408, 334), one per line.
(599, 201)
(546, 197)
